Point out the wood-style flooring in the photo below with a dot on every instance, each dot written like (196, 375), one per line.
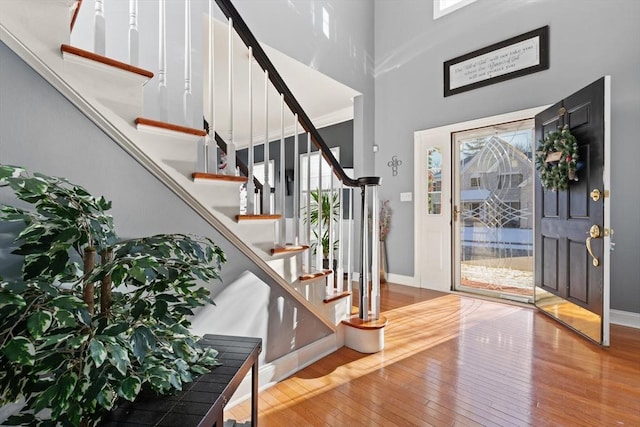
(453, 360)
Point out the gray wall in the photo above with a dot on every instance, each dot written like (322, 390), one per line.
(588, 39)
(42, 131)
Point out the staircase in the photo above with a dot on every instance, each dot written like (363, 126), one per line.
(185, 158)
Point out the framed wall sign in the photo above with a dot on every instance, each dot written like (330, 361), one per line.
(524, 54)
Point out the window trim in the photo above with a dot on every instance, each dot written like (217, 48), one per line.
(439, 10)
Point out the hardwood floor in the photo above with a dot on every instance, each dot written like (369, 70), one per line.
(451, 360)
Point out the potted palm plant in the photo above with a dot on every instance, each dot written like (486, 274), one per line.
(325, 207)
(93, 319)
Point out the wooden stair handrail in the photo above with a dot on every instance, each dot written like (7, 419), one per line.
(75, 14)
(263, 60)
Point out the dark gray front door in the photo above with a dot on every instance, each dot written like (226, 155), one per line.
(570, 280)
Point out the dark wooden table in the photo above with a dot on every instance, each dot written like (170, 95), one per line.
(202, 402)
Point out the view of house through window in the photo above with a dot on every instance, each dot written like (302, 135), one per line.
(494, 197)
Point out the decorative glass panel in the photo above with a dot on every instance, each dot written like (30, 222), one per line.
(434, 181)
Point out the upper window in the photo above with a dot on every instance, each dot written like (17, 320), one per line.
(442, 7)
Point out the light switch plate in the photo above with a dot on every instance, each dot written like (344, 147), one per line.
(406, 197)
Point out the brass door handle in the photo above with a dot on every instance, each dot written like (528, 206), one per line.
(456, 212)
(595, 259)
(594, 233)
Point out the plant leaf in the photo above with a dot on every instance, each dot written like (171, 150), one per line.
(98, 352)
(77, 341)
(115, 329)
(20, 350)
(39, 322)
(65, 318)
(45, 400)
(9, 298)
(130, 387)
(119, 357)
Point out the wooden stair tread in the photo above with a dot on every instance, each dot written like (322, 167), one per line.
(355, 322)
(217, 177)
(314, 275)
(141, 121)
(336, 296)
(256, 217)
(288, 249)
(65, 48)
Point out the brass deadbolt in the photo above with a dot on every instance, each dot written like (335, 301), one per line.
(596, 194)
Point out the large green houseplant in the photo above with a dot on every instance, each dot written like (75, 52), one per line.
(94, 319)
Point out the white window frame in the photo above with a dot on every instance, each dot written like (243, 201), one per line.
(444, 7)
(258, 172)
(327, 174)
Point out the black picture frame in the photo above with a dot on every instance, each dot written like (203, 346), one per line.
(476, 69)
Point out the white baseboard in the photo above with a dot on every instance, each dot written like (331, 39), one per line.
(279, 369)
(403, 280)
(395, 278)
(625, 318)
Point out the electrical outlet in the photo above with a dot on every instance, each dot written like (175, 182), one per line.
(406, 197)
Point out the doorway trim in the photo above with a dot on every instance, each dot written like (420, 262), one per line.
(433, 242)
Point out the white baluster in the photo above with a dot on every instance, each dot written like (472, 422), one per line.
(251, 188)
(282, 192)
(341, 241)
(375, 254)
(364, 258)
(266, 189)
(187, 99)
(331, 232)
(308, 213)
(349, 243)
(320, 248)
(210, 150)
(162, 60)
(296, 186)
(231, 144)
(134, 35)
(100, 29)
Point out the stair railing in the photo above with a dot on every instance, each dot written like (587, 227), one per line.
(341, 186)
(369, 294)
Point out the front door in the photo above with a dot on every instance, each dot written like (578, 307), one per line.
(572, 229)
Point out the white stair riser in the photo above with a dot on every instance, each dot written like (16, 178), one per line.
(119, 90)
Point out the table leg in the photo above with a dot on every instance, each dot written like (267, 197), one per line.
(254, 394)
